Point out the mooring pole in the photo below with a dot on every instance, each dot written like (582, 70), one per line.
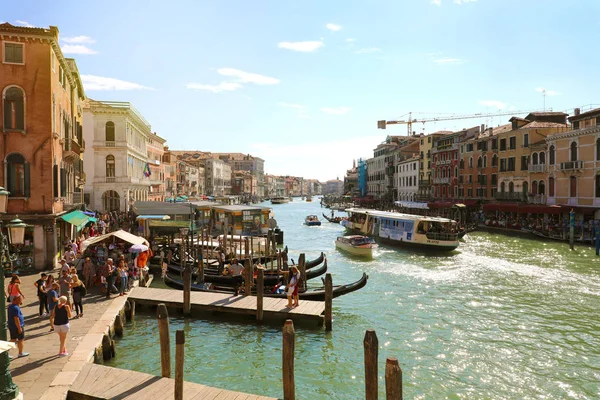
(393, 379)
(371, 345)
(260, 288)
(165, 343)
(179, 363)
(289, 344)
(328, 302)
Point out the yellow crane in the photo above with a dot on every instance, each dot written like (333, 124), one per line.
(382, 124)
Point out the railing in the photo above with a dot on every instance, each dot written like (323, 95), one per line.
(110, 179)
(571, 165)
(71, 147)
(441, 180)
(109, 143)
(442, 236)
(537, 168)
(445, 162)
(74, 198)
(424, 182)
(509, 196)
(536, 199)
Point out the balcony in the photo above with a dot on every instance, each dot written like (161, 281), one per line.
(537, 168)
(424, 182)
(117, 179)
(536, 199)
(509, 196)
(571, 166)
(445, 148)
(71, 149)
(441, 181)
(445, 162)
(73, 198)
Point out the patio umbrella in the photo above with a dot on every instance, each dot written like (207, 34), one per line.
(138, 248)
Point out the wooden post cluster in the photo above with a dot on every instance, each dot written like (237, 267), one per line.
(393, 372)
(328, 302)
(302, 269)
(249, 277)
(200, 271)
(165, 342)
(179, 358)
(260, 289)
(187, 288)
(393, 379)
(289, 345)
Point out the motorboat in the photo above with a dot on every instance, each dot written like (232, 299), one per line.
(357, 245)
(312, 220)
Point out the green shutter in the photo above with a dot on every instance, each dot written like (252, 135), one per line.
(18, 53)
(20, 113)
(27, 180)
(10, 178)
(63, 182)
(7, 115)
(8, 52)
(55, 178)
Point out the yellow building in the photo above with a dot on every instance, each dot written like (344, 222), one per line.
(574, 159)
(425, 183)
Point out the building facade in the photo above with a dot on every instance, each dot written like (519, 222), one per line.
(407, 178)
(156, 151)
(218, 177)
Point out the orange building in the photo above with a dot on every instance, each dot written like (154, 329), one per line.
(42, 139)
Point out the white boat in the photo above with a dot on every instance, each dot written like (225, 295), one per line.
(356, 244)
(312, 220)
(403, 229)
(280, 200)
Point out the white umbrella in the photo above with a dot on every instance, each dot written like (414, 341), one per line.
(138, 248)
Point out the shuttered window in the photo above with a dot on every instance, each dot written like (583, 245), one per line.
(13, 53)
(63, 182)
(55, 180)
(14, 108)
(17, 176)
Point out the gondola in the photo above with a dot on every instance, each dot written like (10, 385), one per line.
(316, 294)
(334, 220)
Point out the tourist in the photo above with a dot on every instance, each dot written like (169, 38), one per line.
(292, 292)
(62, 313)
(123, 275)
(14, 288)
(89, 272)
(52, 298)
(70, 256)
(40, 284)
(110, 275)
(63, 265)
(16, 324)
(77, 288)
(65, 285)
(236, 270)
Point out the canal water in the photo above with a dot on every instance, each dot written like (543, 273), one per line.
(499, 318)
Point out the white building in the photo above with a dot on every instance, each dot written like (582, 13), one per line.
(334, 186)
(116, 161)
(218, 177)
(406, 179)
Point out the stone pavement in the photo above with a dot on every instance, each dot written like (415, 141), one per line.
(43, 374)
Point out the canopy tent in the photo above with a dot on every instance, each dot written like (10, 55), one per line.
(77, 218)
(163, 217)
(114, 236)
(522, 208)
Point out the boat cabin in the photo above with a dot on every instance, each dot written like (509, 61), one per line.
(241, 219)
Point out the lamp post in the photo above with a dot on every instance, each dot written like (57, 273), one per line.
(8, 390)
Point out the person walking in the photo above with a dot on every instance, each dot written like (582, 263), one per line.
(40, 284)
(236, 270)
(123, 277)
(52, 299)
(16, 324)
(77, 289)
(62, 313)
(64, 283)
(14, 288)
(89, 272)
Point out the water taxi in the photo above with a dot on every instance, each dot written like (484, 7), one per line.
(357, 245)
(403, 229)
(280, 200)
(309, 198)
(312, 220)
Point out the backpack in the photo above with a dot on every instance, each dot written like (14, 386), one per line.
(83, 290)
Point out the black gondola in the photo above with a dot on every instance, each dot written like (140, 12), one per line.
(317, 294)
(334, 220)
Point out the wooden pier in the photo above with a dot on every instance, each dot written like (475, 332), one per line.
(228, 303)
(100, 382)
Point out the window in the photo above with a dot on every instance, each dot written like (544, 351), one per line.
(551, 156)
(469, 147)
(494, 144)
(541, 188)
(511, 187)
(17, 175)
(14, 108)
(110, 166)
(455, 171)
(502, 144)
(534, 159)
(575, 125)
(13, 53)
(502, 187)
(597, 185)
(511, 164)
(551, 186)
(524, 163)
(534, 187)
(598, 148)
(542, 158)
(503, 165)
(494, 160)
(512, 142)
(479, 162)
(494, 179)
(573, 187)
(484, 161)
(526, 140)
(110, 131)
(573, 152)
(471, 162)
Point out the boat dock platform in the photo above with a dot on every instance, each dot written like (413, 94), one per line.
(228, 303)
(101, 382)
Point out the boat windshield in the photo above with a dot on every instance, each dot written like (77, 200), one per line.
(361, 241)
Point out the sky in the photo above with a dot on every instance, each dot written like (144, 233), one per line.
(302, 83)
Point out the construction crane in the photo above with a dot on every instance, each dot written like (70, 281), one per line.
(383, 123)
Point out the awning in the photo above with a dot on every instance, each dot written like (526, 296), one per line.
(153, 217)
(76, 218)
(90, 213)
(522, 208)
(113, 236)
(440, 204)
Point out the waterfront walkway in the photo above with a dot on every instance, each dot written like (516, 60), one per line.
(228, 303)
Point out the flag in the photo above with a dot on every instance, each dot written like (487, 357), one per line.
(147, 171)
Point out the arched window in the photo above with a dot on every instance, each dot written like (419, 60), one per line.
(110, 131)
(479, 162)
(573, 187)
(542, 158)
(502, 187)
(14, 108)
(484, 161)
(511, 187)
(455, 171)
(573, 151)
(461, 164)
(494, 160)
(597, 186)
(541, 188)
(551, 186)
(534, 159)
(470, 162)
(525, 187)
(110, 166)
(17, 175)
(534, 187)
(551, 156)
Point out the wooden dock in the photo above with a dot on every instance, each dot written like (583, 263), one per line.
(228, 303)
(100, 382)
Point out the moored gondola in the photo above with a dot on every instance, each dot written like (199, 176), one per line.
(334, 220)
(317, 294)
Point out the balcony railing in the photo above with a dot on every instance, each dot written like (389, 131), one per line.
(440, 181)
(116, 179)
(71, 149)
(109, 143)
(571, 165)
(536, 199)
(537, 168)
(444, 162)
(509, 196)
(73, 198)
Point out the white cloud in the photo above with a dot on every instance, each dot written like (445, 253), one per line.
(301, 46)
(547, 92)
(436, 2)
(24, 23)
(493, 103)
(248, 77)
(221, 87)
(336, 110)
(368, 50)
(298, 107)
(78, 40)
(93, 82)
(77, 49)
(350, 40)
(448, 60)
(333, 27)
(460, 2)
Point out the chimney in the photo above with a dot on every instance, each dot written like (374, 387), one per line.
(482, 128)
(577, 111)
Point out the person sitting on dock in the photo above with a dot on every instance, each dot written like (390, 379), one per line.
(237, 272)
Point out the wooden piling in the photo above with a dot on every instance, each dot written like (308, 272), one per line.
(179, 362)
(108, 349)
(128, 316)
(200, 272)
(165, 342)
(289, 344)
(132, 310)
(119, 325)
(328, 302)
(302, 269)
(371, 345)
(248, 277)
(260, 288)
(246, 247)
(187, 289)
(393, 379)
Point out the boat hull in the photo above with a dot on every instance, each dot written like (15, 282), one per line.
(355, 251)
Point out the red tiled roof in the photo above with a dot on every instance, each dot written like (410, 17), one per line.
(542, 124)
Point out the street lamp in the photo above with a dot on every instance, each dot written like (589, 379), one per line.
(8, 390)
